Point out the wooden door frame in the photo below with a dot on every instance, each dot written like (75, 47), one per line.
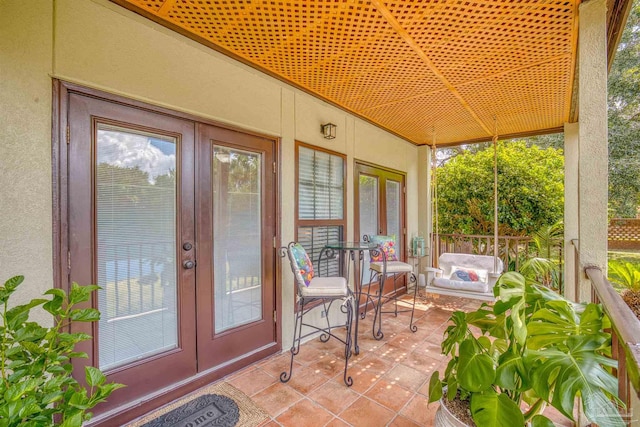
(60, 240)
(382, 214)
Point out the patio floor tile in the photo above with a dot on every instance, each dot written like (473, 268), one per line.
(367, 413)
(277, 398)
(253, 381)
(390, 376)
(406, 377)
(389, 395)
(334, 396)
(418, 411)
(305, 413)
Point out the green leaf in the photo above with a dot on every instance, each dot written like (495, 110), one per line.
(11, 284)
(454, 334)
(94, 377)
(510, 287)
(560, 376)
(79, 400)
(476, 371)
(511, 374)
(105, 390)
(74, 420)
(54, 306)
(435, 387)
(541, 421)
(79, 294)
(85, 315)
(518, 322)
(22, 311)
(557, 322)
(452, 388)
(495, 410)
(17, 390)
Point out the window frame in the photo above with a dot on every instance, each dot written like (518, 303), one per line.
(320, 222)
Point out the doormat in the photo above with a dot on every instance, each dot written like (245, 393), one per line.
(219, 405)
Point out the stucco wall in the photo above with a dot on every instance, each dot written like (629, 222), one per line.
(101, 45)
(25, 145)
(592, 140)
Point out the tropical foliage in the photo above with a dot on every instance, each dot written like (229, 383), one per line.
(625, 274)
(536, 347)
(530, 190)
(624, 120)
(37, 389)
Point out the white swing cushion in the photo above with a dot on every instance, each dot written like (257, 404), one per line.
(482, 265)
(392, 267)
(461, 285)
(325, 287)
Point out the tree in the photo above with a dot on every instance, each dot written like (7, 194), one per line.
(530, 190)
(624, 120)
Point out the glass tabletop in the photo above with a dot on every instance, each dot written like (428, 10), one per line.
(350, 246)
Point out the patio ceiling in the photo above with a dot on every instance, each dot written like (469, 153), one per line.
(410, 67)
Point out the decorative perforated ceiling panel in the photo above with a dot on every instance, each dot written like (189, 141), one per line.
(411, 67)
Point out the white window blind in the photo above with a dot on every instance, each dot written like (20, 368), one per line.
(320, 185)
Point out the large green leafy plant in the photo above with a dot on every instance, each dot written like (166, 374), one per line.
(37, 388)
(536, 347)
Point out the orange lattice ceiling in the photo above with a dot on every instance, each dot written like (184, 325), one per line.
(410, 67)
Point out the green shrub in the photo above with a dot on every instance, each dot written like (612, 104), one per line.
(37, 387)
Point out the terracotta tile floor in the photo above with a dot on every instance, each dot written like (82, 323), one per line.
(390, 376)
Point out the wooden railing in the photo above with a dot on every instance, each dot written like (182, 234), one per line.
(625, 335)
(512, 250)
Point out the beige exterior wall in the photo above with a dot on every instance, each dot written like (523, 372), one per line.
(103, 46)
(25, 145)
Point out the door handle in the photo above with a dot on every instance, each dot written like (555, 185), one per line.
(188, 265)
(187, 246)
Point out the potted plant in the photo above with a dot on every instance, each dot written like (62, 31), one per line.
(536, 348)
(37, 388)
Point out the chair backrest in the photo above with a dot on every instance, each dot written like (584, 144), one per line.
(386, 246)
(301, 265)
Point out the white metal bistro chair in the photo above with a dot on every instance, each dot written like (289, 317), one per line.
(310, 289)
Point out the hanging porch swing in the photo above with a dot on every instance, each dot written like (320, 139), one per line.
(465, 275)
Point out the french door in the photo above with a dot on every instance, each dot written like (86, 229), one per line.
(235, 231)
(175, 221)
(380, 198)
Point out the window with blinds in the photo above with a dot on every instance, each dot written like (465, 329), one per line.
(321, 203)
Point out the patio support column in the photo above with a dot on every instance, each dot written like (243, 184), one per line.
(425, 221)
(288, 213)
(592, 145)
(571, 211)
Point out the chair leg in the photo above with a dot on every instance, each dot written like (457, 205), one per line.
(324, 337)
(295, 345)
(368, 297)
(377, 317)
(395, 292)
(414, 280)
(348, 340)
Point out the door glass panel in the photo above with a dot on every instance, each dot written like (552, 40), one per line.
(135, 177)
(237, 235)
(368, 206)
(393, 211)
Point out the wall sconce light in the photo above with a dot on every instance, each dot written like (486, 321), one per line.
(328, 130)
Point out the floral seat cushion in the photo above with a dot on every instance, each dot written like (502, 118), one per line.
(387, 249)
(301, 264)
